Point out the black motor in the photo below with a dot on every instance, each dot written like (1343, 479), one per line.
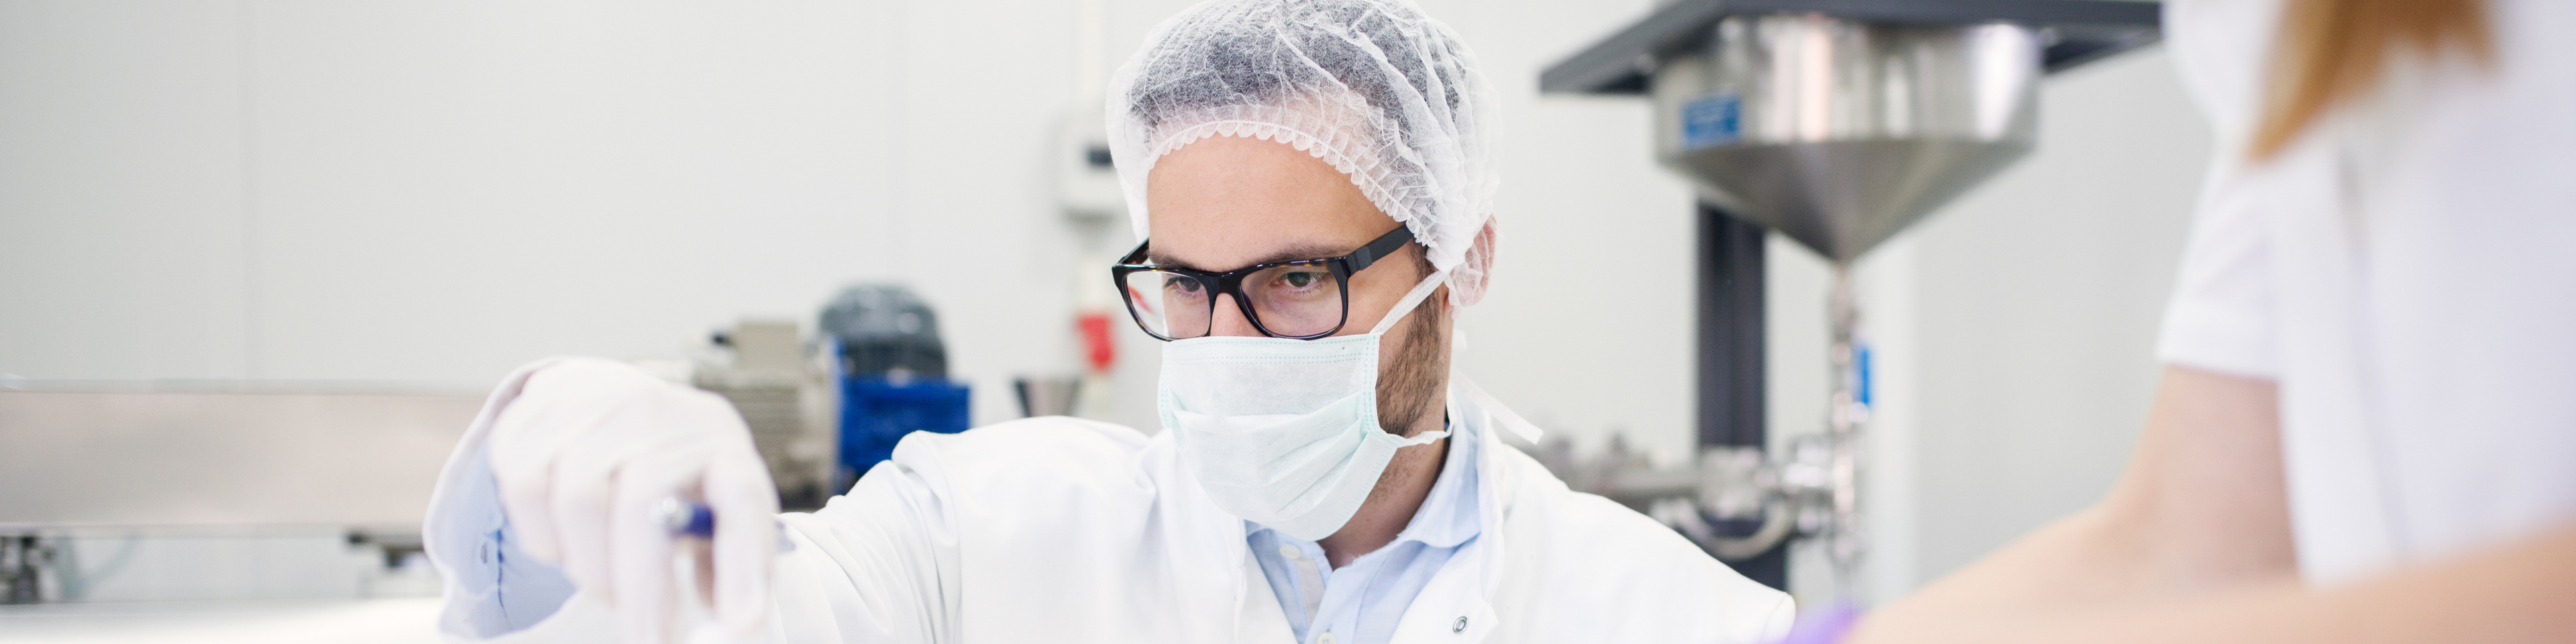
(886, 329)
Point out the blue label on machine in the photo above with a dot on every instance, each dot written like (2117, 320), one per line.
(1861, 365)
(1715, 119)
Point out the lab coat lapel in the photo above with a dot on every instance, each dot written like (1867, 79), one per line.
(1256, 610)
(1457, 607)
(1209, 559)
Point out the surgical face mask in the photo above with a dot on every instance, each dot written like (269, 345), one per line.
(1285, 432)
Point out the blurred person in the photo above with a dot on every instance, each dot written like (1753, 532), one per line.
(2366, 425)
(1314, 182)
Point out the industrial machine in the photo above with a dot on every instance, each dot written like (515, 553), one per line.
(785, 397)
(825, 408)
(892, 372)
(1837, 123)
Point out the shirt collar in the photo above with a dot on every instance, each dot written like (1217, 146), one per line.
(1449, 515)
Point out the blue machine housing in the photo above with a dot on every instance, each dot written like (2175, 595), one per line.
(876, 413)
(892, 373)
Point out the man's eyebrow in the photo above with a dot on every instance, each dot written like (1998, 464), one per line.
(1291, 253)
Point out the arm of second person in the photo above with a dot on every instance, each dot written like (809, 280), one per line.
(2193, 546)
(2201, 506)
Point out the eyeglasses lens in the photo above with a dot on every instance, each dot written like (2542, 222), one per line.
(1295, 300)
(1171, 305)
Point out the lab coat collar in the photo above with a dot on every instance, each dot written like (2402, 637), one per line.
(1457, 606)
(1471, 406)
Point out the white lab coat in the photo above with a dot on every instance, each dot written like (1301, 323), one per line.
(1065, 530)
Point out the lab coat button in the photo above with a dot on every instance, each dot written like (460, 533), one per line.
(1326, 638)
(1459, 627)
(1288, 551)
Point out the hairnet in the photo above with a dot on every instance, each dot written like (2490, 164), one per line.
(1380, 91)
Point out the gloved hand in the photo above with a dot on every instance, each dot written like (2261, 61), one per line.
(583, 456)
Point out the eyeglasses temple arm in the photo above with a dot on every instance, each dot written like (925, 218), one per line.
(1382, 246)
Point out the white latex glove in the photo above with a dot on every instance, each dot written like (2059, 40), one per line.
(584, 454)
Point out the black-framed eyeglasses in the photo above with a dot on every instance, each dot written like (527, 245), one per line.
(1298, 300)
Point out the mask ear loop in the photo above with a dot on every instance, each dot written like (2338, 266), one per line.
(1494, 409)
(1412, 300)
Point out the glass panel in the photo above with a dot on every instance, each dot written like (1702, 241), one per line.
(1297, 299)
(1169, 304)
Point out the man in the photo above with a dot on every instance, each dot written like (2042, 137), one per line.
(1312, 180)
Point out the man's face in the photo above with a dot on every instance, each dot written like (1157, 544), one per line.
(1227, 202)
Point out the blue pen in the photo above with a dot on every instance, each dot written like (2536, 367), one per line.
(691, 519)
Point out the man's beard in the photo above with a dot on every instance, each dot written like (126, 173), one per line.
(1413, 384)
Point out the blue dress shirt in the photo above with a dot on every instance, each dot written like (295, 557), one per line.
(1360, 603)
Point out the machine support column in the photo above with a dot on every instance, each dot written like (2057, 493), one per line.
(1731, 366)
(1730, 288)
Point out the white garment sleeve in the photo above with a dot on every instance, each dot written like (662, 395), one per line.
(2223, 314)
(878, 564)
(491, 587)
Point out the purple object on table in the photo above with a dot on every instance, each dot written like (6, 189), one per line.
(1827, 625)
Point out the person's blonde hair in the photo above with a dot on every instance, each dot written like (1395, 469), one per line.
(2330, 51)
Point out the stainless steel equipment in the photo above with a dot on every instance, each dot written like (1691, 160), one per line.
(155, 491)
(1837, 123)
(1839, 133)
(23, 560)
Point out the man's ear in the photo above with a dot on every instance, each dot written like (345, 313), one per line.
(1476, 270)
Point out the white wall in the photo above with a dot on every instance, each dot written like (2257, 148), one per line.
(2038, 302)
(432, 192)
(122, 190)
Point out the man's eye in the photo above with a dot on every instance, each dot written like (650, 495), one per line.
(1186, 286)
(1299, 279)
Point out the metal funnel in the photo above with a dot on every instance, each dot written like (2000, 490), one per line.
(1840, 133)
